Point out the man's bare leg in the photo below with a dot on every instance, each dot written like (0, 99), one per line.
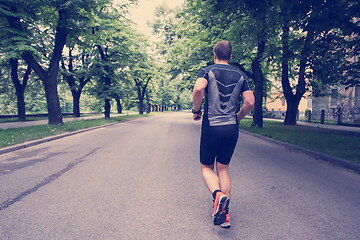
(214, 181)
(224, 178)
(211, 179)
(225, 186)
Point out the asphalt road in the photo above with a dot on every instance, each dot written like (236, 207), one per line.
(141, 180)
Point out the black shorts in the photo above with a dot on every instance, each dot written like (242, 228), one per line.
(218, 143)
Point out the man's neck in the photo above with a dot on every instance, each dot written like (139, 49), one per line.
(217, 61)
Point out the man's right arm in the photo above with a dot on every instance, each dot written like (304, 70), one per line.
(249, 100)
(198, 94)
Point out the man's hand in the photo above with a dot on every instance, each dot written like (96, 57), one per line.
(197, 117)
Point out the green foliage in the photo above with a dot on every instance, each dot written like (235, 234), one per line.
(333, 29)
(186, 36)
(89, 23)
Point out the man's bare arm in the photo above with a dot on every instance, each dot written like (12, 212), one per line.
(198, 94)
(249, 100)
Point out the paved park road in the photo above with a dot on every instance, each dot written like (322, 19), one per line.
(141, 180)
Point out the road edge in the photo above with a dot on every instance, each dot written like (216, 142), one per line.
(351, 166)
(28, 144)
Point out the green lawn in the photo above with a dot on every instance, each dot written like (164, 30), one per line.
(336, 143)
(13, 136)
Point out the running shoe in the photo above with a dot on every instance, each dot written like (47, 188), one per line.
(226, 224)
(226, 206)
(219, 215)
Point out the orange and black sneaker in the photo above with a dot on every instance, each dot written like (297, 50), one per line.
(226, 224)
(219, 215)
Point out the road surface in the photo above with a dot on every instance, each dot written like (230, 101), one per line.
(141, 180)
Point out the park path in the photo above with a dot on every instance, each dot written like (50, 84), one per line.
(141, 180)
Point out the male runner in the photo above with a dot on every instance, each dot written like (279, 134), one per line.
(223, 85)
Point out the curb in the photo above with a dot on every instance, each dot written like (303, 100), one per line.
(354, 167)
(55, 137)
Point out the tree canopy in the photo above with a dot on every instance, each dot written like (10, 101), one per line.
(88, 55)
(309, 45)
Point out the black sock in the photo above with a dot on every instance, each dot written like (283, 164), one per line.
(215, 192)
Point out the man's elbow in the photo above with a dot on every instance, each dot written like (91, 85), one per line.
(250, 99)
(198, 90)
(251, 102)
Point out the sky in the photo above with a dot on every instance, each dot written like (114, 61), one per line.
(144, 12)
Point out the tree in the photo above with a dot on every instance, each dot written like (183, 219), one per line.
(56, 18)
(253, 32)
(202, 23)
(48, 76)
(76, 74)
(19, 86)
(334, 59)
(181, 55)
(141, 72)
(141, 83)
(302, 25)
(112, 37)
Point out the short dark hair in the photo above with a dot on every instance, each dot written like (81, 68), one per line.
(222, 50)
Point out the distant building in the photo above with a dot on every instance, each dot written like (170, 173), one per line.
(276, 105)
(339, 99)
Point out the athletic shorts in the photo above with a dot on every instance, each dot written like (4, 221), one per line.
(218, 143)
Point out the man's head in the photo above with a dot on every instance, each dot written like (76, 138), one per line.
(222, 50)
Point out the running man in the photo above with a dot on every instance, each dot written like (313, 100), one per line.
(222, 85)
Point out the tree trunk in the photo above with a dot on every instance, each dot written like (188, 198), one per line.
(21, 105)
(141, 107)
(53, 104)
(107, 80)
(141, 90)
(141, 102)
(70, 79)
(118, 104)
(52, 96)
(289, 118)
(19, 87)
(293, 100)
(147, 103)
(107, 99)
(291, 113)
(107, 108)
(259, 86)
(76, 103)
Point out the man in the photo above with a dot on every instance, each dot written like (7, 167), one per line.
(223, 85)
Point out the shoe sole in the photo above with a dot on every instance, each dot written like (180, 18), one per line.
(220, 215)
(225, 225)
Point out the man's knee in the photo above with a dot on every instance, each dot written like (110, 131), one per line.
(221, 167)
(206, 167)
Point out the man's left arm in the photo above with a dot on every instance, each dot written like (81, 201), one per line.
(249, 100)
(198, 94)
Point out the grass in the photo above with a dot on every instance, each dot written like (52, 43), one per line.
(13, 136)
(36, 118)
(336, 143)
